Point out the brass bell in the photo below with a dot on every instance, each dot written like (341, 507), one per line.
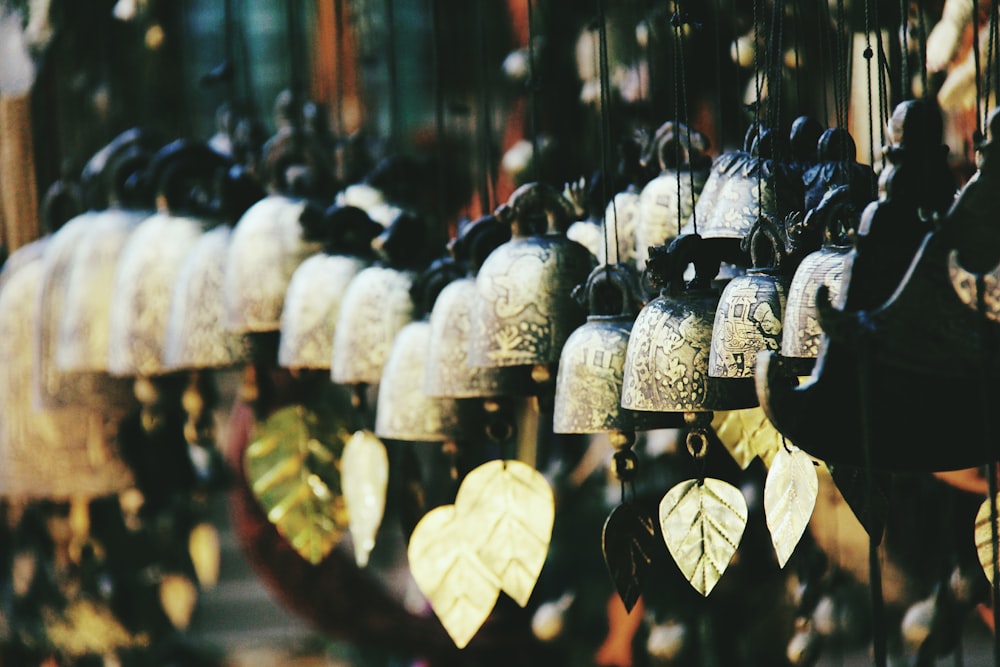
(523, 313)
(449, 373)
(377, 304)
(151, 261)
(723, 168)
(749, 316)
(49, 452)
(589, 380)
(404, 411)
(666, 364)
(667, 201)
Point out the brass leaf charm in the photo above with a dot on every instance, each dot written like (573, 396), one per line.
(461, 590)
(628, 542)
(703, 524)
(789, 498)
(747, 434)
(984, 539)
(364, 469)
(509, 510)
(292, 471)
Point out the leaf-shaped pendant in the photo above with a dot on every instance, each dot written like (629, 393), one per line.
(984, 539)
(853, 484)
(460, 588)
(364, 471)
(703, 524)
(508, 509)
(789, 498)
(747, 434)
(292, 471)
(628, 542)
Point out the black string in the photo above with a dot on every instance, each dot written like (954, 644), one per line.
(758, 83)
(687, 127)
(905, 88)
(922, 23)
(606, 125)
(980, 121)
(883, 75)
(534, 81)
(485, 117)
(776, 55)
(868, 76)
(990, 57)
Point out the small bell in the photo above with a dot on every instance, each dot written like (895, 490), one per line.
(523, 313)
(667, 201)
(449, 373)
(316, 290)
(589, 380)
(666, 365)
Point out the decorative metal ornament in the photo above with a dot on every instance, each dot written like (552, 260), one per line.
(703, 522)
(724, 166)
(984, 538)
(292, 468)
(404, 411)
(789, 498)
(523, 313)
(802, 333)
(364, 473)
(667, 201)
(46, 453)
(629, 541)
(747, 434)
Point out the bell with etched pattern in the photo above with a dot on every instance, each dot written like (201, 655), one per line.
(522, 313)
(666, 364)
(316, 291)
(589, 380)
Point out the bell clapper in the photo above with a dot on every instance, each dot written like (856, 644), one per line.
(625, 460)
(697, 438)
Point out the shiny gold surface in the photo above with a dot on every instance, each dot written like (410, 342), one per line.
(703, 523)
(376, 306)
(523, 313)
(747, 434)
(789, 498)
(83, 334)
(292, 470)
(404, 411)
(265, 249)
(748, 319)
(984, 538)
(52, 453)
(147, 271)
(364, 474)
(196, 336)
(802, 333)
(666, 365)
(312, 305)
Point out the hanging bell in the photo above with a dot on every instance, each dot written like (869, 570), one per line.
(749, 316)
(270, 241)
(449, 373)
(667, 201)
(404, 411)
(316, 290)
(54, 453)
(377, 304)
(523, 313)
(589, 380)
(184, 173)
(666, 364)
(196, 337)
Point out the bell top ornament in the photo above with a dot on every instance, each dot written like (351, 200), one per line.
(523, 313)
(837, 165)
(316, 290)
(667, 201)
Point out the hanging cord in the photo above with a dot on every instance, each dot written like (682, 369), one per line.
(534, 81)
(606, 126)
(758, 87)
(822, 30)
(775, 70)
(905, 88)
(679, 20)
(991, 49)
(485, 118)
(338, 31)
(844, 62)
(883, 76)
(868, 53)
(980, 121)
(922, 23)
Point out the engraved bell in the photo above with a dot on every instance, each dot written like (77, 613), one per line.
(667, 201)
(404, 411)
(377, 304)
(449, 373)
(749, 316)
(523, 313)
(316, 290)
(589, 380)
(666, 364)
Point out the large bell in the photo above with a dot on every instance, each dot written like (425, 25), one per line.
(54, 453)
(152, 259)
(316, 290)
(523, 313)
(592, 365)
(667, 201)
(449, 373)
(666, 364)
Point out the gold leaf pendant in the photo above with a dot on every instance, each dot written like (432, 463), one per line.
(789, 498)
(495, 537)
(703, 523)
(747, 434)
(984, 538)
(364, 469)
(292, 469)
